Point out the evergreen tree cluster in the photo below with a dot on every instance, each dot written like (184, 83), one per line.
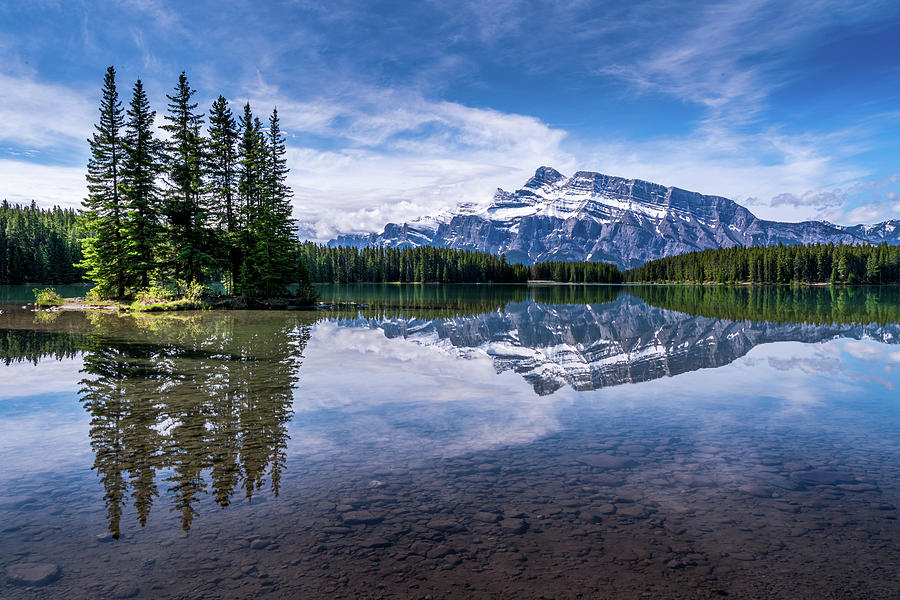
(422, 264)
(811, 263)
(576, 272)
(38, 245)
(209, 202)
(439, 265)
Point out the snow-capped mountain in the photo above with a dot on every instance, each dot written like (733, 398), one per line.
(592, 346)
(597, 217)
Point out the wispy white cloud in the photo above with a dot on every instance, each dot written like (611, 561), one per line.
(730, 57)
(42, 115)
(816, 199)
(48, 185)
(400, 155)
(163, 15)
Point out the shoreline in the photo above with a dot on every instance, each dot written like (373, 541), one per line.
(213, 303)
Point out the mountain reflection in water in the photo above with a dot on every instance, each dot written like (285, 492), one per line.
(191, 405)
(629, 337)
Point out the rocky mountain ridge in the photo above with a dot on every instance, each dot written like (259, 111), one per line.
(596, 217)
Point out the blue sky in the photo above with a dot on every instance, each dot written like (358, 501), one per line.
(399, 109)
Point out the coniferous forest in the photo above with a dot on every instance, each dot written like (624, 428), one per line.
(426, 263)
(811, 263)
(439, 265)
(208, 203)
(38, 245)
(576, 272)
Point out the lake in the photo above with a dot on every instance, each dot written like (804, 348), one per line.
(457, 441)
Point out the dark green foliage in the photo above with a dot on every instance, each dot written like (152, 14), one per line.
(141, 229)
(306, 293)
(440, 265)
(190, 242)
(252, 164)
(270, 258)
(576, 272)
(37, 245)
(104, 246)
(225, 212)
(812, 263)
(423, 264)
(222, 171)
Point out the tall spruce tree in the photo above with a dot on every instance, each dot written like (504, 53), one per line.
(268, 237)
(185, 210)
(104, 211)
(249, 177)
(140, 169)
(275, 251)
(250, 180)
(222, 170)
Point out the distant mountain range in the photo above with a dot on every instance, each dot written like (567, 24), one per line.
(596, 217)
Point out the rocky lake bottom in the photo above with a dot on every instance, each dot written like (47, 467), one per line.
(644, 513)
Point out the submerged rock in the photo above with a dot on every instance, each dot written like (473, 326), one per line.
(360, 517)
(487, 517)
(32, 573)
(822, 477)
(607, 461)
(515, 526)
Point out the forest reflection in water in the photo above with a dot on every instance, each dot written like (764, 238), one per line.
(188, 405)
(192, 405)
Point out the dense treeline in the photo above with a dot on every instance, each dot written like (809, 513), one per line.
(439, 265)
(576, 272)
(201, 205)
(426, 263)
(813, 263)
(38, 245)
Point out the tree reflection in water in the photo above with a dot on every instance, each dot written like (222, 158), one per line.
(197, 405)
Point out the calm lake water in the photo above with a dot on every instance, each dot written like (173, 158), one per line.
(457, 441)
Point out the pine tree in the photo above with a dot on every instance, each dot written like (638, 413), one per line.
(249, 179)
(104, 210)
(273, 251)
(140, 169)
(268, 237)
(873, 269)
(190, 243)
(222, 168)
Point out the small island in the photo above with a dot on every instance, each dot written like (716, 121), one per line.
(164, 217)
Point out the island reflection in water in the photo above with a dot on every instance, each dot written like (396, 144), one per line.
(413, 438)
(186, 399)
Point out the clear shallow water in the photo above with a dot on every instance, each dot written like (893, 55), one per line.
(457, 441)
